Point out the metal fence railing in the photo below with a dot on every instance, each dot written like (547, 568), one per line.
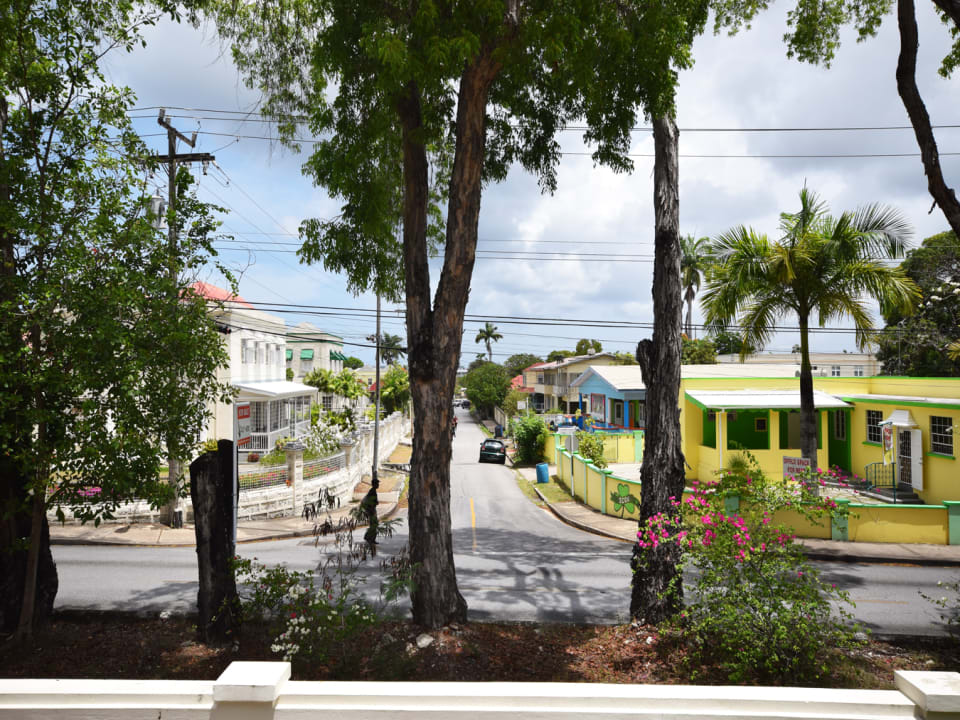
(323, 466)
(269, 476)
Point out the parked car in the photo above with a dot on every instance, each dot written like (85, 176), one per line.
(493, 451)
(465, 404)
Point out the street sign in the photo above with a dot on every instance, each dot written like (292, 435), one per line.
(521, 404)
(793, 466)
(243, 424)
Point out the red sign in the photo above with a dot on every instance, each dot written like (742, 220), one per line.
(243, 424)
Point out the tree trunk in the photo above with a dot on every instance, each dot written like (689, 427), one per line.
(689, 298)
(808, 413)
(435, 333)
(211, 490)
(657, 592)
(943, 195)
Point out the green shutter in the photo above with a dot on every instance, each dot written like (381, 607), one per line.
(306, 354)
(289, 354)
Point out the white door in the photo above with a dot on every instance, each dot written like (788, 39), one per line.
(916, 459)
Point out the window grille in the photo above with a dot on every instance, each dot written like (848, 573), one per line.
(858, 371)
(839, 424)
(874, 433)
(834, 371)
(941, 435)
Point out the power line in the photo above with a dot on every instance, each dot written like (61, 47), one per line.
(265, 118)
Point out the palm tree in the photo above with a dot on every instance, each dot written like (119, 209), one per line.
(821, 265)
(488, 334)
(694, 256)
(392, 348)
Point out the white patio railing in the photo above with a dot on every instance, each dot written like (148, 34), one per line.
(263, 691)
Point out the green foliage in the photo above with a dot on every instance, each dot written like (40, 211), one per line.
(394, 390)
(698, 352)
(516, 364)
(915, 345)
(353, 363)
(317, 618)
(558, 355)
(948, 605)
(512, 399)
(341, 420)
(102, 353)
(625, 358)
(728, 343)
(290, 374)
(392, 347)
(757, 609)
(591, 447)
(530, 436)
(584, 346)
(209, 446)
(486, 386)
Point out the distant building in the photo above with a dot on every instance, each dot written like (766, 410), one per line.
(256, 343)
(309, 348)
(825, 364)
(550, 381)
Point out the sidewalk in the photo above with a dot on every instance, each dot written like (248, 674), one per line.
(155, 534)
(586, 518)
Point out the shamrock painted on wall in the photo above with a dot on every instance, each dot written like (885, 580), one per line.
(623, 499)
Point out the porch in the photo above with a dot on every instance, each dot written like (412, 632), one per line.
(277, 410)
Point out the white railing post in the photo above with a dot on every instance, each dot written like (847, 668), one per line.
(936, 694)
(249, 690)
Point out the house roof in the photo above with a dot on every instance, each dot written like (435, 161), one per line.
(568, 361)
(629, 377)
(212, 292)
(760, 399)
(517, 384)
(274, 388)
(909, 400)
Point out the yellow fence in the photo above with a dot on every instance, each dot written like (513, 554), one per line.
(924, 524)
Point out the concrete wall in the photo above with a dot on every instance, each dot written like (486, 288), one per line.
(263, 690)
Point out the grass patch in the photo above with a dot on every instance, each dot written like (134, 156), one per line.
(553, 491)
(401, 454)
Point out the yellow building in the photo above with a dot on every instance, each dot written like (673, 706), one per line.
(897, 433)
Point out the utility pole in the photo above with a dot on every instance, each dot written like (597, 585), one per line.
(171, 159)
(370, 501)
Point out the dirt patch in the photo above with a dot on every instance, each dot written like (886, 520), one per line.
(401, 454)
(118, 646)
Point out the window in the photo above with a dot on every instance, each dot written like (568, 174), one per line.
(874, 433)
(258, 417)
(711, 415)
(760, 424)
(328, 402)
(275, 406)
(731, 416)
(834, 371)
(306, 366)
(858, 371)
(941, 435)
(247, 350)
(539, 378)
(839, 425)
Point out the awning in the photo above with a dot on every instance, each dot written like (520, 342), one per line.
(306, 354)
(336, 355)
(274, 389)
(899, 418)
(760, 400)
(289, 354)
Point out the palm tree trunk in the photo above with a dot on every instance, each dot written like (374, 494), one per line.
(489, 351)
(689, 298)
(656, 590)
(808, 413)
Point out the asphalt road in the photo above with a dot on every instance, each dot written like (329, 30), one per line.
(515, 561)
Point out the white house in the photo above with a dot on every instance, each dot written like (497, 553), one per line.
(256, 343)
(309, 348)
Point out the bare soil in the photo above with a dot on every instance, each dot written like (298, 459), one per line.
(118, 646)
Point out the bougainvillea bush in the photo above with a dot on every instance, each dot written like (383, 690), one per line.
(754, 606)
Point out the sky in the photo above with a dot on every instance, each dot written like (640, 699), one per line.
(584, 254)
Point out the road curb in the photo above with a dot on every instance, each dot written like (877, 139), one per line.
(576, 524)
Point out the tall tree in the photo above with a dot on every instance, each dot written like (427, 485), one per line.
(101, 352)
(814, 36)
(516, 364)
(463, 90)
(693, 262)
(823, 267)
(488, 335)
(584, 346)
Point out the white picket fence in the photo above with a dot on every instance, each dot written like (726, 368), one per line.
(264, 691)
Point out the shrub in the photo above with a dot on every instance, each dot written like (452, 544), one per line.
(591, 447)
(530, 436)
(757, 609)
(948, 606)
(253, 457)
